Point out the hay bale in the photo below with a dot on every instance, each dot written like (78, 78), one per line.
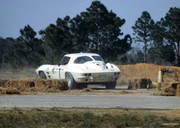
(12, 91)
(178, 90)
(51, 85)
(3, 82)
(20, 85)
(131, 84)
(2, 90)
(11, 83)
(139, 83)
(37, 85)
(167, 89)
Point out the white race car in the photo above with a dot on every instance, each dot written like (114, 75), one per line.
(81, 69)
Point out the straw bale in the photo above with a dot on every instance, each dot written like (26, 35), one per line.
(3, 82)
(2, 90)
(12, 91)
(40, 85)
(139, 83)
(51, 84)
(178, 90)
(167, 89)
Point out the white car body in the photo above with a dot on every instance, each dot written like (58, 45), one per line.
(84, 68)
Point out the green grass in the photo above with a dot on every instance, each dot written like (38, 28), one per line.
(82, 119)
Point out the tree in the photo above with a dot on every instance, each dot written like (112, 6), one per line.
(98, 30)
(95, 30)
(57, 38)
(79, 31)
(7, 52)
(161, 51)
(29, 49)
(142, 30)
(171, 24)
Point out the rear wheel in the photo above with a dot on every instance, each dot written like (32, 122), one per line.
(110, 85)
(42, 75)
(70, 80)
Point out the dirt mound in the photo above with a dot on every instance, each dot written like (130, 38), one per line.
(33, 85)
(148, 71)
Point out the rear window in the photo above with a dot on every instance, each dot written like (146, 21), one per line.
(98, 58)
(82, 60)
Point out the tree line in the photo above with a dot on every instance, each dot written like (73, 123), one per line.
(96, 30)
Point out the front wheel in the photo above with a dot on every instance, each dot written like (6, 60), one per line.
(42, 75)
(110, 85)
(70, 80)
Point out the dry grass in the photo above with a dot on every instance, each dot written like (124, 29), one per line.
(90, 118)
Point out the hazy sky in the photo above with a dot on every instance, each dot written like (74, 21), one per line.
(15, 14)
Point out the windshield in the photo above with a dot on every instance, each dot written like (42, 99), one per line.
(65, 60)
(82, 60)
(98, 58)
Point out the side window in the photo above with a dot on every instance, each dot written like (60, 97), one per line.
(82, 60)
(65, 60)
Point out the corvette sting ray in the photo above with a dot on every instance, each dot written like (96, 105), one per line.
(81, 69)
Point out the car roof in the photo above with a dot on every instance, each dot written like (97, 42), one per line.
(81, 54)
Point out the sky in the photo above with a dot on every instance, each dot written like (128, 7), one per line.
(15, 14)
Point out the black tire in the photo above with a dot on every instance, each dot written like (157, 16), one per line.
(42, 75)
(70, 81)
(110, 85)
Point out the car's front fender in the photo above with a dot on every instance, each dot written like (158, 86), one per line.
(45, 68)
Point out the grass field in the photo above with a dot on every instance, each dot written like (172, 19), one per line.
(89, 118)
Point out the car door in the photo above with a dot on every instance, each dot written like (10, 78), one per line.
(55, 74)
(63, 69)
(63, 66)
